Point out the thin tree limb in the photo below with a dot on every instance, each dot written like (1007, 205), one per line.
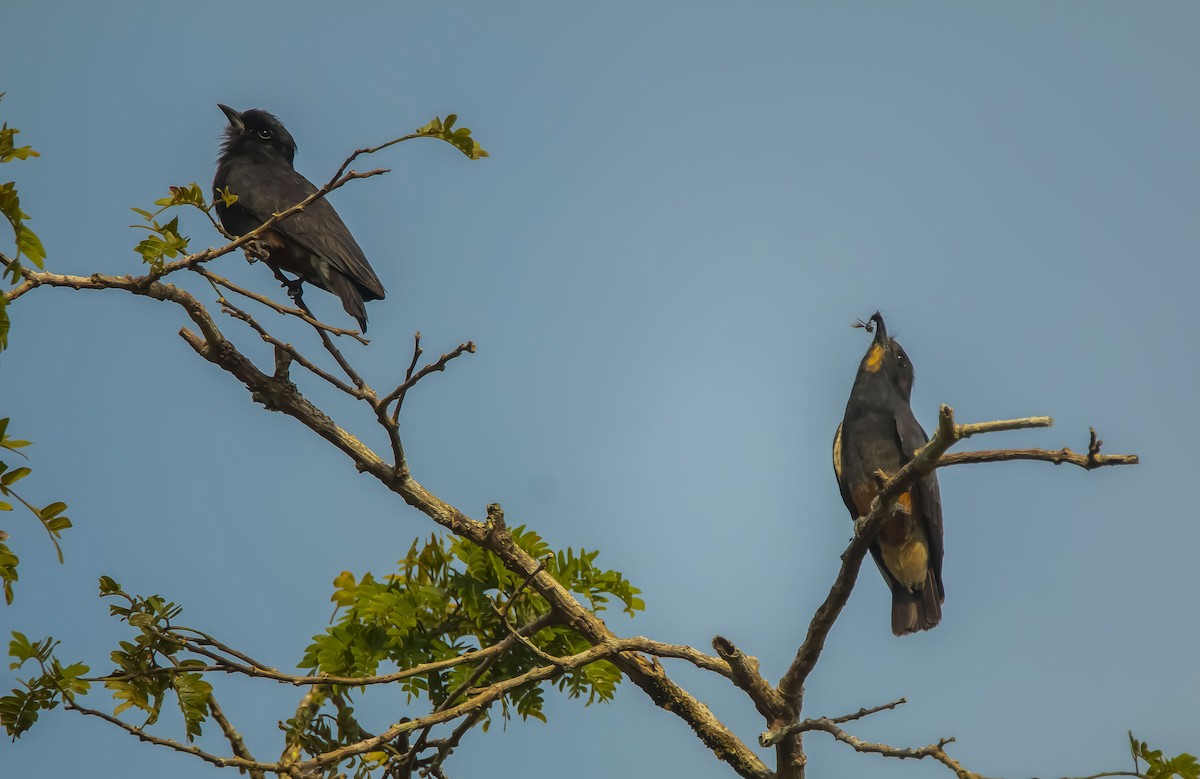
(772, 737)
(278, 307)
(411, 378)
(291, 351)
(220, 762)
(236, 742)
(935, 751)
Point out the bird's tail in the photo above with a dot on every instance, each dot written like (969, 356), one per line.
(351, 297)
(914, 611)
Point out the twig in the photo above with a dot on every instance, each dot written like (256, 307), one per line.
(868, 712)
(503, 610)
(447, 746)
(771, 737)
(1092, 460)
(412, 378)
(468, 683)
(279, 307)
(291, 351)
(252, 668)
(221, 762)
(936, 751)
(298, 298)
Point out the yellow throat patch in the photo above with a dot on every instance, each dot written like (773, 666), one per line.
(874, 358)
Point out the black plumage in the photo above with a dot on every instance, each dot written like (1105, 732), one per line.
(315, 245)
(878, 436)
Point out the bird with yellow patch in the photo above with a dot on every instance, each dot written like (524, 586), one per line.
(878, 436)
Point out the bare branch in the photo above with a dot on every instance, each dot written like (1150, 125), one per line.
(936, 751)
(1090, 461)
(221, 762)
(279, 307)
(290, 350)
(298, 298)
(772, 737)
(868, 712)
(411, 378)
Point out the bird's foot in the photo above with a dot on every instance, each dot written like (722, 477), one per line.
(294, 287)
(254, 251)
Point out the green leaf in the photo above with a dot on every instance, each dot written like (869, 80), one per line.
(9, 150)
(190, 195)
(8, 566)
(19, 711)
(30, 245)
(20, 649)
(70, 683)
(15, 475)
(108, 586)
(193, 694)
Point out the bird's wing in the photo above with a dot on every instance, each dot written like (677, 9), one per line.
(928, 497)
(264, 190)
(847, 498)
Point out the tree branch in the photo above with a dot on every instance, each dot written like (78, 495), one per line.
(411, 378)
(1090, 461)
(772, 737)
(278, 307)
(220, 762)
(936, 751)
(746, 676)
(236, 742)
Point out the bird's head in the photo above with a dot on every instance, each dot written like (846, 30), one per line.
(887, 359)
(257, 130)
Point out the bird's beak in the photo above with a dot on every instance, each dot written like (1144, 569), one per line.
(881, 336)
(235, 118)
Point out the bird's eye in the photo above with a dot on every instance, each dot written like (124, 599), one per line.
(264, 134)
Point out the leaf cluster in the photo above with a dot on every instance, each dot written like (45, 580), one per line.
(163, 240)
(449, 597)
(140, 664)
(146, 669)
(27, 243)
(55, 683)
(51, 516)
(460, 139)
(1183, 766)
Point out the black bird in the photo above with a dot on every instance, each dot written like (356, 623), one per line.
(315, 245)
(878, 436)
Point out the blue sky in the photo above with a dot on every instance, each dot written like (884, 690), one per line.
(686, 206)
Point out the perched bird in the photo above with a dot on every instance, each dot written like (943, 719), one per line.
(314, 244)
(877, 437)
